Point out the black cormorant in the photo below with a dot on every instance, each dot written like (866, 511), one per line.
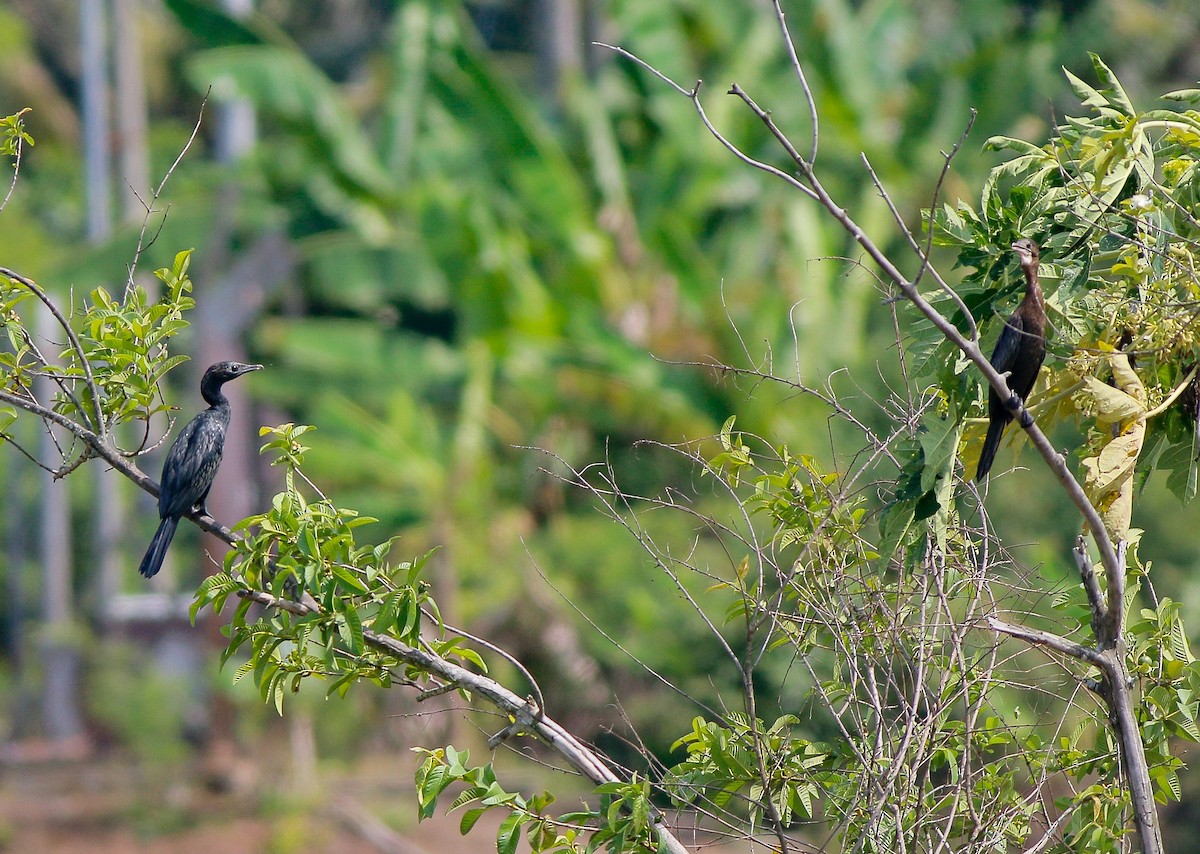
(1019, 352)
(192, 462)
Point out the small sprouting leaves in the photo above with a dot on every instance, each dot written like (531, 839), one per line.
(735, 454)
(721, 765)
(126, 341)
(13, 134)
(284, 441)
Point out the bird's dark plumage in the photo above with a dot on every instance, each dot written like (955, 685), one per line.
(1019, 351)
(192, 462)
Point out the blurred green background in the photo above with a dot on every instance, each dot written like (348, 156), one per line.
(453, 232)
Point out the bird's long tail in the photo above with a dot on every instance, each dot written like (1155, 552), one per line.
(152, 562)
(990, 445)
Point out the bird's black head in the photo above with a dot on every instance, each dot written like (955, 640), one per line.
(224, 371)
(1027, 252)
(219, 374)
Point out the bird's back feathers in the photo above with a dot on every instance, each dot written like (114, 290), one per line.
(192, 462)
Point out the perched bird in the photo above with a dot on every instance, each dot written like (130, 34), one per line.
(1019, 353)
(192, 462)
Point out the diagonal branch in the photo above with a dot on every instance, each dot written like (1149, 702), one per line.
(530, 716)
(530, 719)
(1108, 616)
(1054, 460)
(1049, 640)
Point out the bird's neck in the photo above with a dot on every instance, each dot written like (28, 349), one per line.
(1033, 290)
(212, 395)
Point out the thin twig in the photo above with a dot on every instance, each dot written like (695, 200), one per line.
(142, 244)
(798, 70)
(16, 163)
(1049, 640)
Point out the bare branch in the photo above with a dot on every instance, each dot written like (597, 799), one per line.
(923, 253)
(1090, 584)
(142, 244)
(1054, 460)
(798, 70)
(1049, 640)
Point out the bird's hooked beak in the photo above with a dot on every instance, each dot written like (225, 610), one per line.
(1024, 252)
(245, 369)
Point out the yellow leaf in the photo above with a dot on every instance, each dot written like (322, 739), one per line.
(1110, 404)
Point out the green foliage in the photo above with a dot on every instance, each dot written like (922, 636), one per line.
(445, 767)
(1109, 200)
(541, 257)
(923, 499)
(310, 546)
(722, 763)
(1161, 658)
(127, 339)
(13, 134)
(892, 640)
(107, 372)
(882, 641)
(621, 823)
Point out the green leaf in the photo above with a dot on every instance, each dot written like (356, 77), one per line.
(470, 817)
(354, 623)
(1179, 642)
(435, 782)
(348, 577)
(205, 20)
(939, 443)
(1112, 86)
(1086, 94)
(1002, 143)
(897, 520)
(1191, 96)
(509, 834)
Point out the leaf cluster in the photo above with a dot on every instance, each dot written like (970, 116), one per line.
(127, 342)
(306, 547)
(722, 764)
(13, 134)
(620, 823)
(1111, 200)
(111, 354)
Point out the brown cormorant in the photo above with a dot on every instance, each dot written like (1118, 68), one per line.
(1019, 352)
